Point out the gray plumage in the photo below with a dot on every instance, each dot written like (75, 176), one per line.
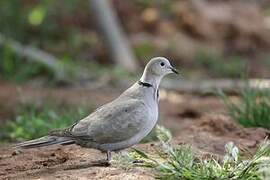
(119, 124)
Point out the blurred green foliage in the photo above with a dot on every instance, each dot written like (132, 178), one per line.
(232, 67)
(252, 110)
(37, 15)
(66, 30)
(33, 122)
(266, 61)
(12, 21)
(144, 50)
(44, 24)
(18, 18)
(17, 69)
(38, 22)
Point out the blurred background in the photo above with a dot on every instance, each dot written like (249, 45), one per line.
(59, 60)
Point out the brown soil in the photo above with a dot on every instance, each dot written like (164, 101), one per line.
(197, 121)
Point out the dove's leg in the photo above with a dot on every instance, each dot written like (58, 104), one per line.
(109, 156)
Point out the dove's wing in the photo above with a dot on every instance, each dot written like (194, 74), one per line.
(113, 122)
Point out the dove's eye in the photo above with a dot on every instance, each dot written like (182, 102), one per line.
(162, 64)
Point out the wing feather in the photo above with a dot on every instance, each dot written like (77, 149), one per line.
(113, 122)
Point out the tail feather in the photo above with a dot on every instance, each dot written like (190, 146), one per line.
(45, 141)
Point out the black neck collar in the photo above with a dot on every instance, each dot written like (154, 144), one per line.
(144, 84)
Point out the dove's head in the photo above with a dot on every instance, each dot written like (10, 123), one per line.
(159, 66)
(156, 69)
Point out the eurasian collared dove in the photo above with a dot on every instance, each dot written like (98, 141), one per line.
(119, 124)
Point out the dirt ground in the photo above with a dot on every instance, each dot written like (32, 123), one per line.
(195, 120)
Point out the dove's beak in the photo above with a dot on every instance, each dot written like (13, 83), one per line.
(174, 70)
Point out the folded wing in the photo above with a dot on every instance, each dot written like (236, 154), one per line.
(113, 122)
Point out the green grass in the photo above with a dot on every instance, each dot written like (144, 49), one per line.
(180, 163)
(32, 122)
(252, 110)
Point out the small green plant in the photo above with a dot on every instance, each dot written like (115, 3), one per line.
(157, 133)
(33, 122)
(252, 110)
(180, 163)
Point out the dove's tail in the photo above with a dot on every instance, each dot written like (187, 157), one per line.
(45, 141)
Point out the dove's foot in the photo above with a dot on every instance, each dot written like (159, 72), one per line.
(138, 161)
(109, 156)
(104, 163)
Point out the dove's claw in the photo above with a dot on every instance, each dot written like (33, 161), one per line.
(138, 161)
